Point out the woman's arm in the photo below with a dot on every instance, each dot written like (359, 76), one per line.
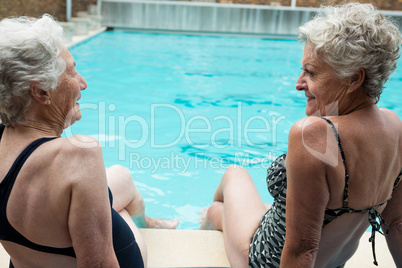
(89, 220)
(307, 191)
(393, 217)
(392, 213)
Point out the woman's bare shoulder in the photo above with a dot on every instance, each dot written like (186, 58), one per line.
(77, 145)
(309, 139)
(394, 122)
(309, 131)
(391, 116)
(71, 158)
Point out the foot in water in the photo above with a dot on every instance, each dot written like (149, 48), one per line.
(203, 214)
(156, 223)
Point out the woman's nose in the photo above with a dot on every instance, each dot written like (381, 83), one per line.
(83, 83)
(301, 84)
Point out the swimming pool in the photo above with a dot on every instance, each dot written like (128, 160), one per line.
(176, 110)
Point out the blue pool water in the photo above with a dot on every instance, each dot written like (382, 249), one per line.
(176, 110)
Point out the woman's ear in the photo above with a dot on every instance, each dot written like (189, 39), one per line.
(357, 80)
(39, 94)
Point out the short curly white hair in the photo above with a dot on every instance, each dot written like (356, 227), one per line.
(354, 36)
(29, 52)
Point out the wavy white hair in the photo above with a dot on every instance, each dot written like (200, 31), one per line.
(29, 52)
(354, 36)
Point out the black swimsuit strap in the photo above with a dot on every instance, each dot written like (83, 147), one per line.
(2, 127)
(346, 190)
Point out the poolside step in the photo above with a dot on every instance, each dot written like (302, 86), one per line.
(4, 258)
(185, 248)
(175, 248)
(194, 248)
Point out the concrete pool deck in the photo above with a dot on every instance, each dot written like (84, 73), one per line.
(196, 248)
(76, 39)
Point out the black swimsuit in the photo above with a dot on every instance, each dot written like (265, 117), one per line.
(124, 244)
(268, 241)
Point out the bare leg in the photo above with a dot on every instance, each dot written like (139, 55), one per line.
(127, 197)
(237, 211)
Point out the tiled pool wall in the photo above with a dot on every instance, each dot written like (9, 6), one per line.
(209, 18)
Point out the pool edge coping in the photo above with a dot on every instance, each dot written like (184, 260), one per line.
(78, 39)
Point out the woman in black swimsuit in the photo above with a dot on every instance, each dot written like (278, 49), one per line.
(326, 192)
(58, 205)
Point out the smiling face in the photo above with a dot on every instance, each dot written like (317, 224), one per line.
(323, 89)
(64, 98)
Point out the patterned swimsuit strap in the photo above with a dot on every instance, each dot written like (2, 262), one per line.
(375, 218)
(346, 190)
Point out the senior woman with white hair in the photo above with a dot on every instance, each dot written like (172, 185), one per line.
(56, 209)
(326, 192)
